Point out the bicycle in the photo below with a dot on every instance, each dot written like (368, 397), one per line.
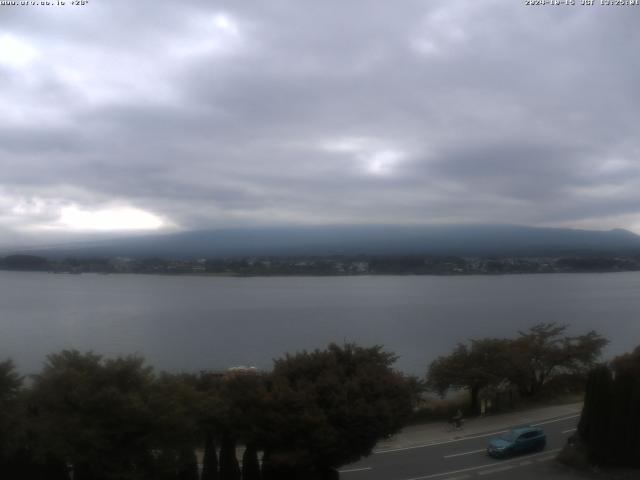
(455, 424)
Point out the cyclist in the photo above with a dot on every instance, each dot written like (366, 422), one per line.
(456, 420)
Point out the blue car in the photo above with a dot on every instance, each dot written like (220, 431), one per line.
(518, 440)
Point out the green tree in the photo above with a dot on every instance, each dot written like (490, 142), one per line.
(595, 420)
(229, 467)
(187, 464)
(527, 362)
(611, 414)
(481, 364)
(94, 414)
(250, 463)
(624, 438)
(11, 418)
(210, 459)
(10, 382)
(166, 464)
(330, 407)
(211, 417)
(241, 405)
(544, 351)
(176, 404)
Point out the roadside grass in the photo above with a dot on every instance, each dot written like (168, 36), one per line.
(433, 408)
(548, 401)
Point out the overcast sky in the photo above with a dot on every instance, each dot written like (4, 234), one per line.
(206, 114)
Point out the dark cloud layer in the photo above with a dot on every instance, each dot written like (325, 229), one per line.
(209, 114)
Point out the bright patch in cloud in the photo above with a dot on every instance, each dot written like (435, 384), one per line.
(15, 52)
(345, 145)
(217, 35)
(226, 23)
(441, 29)
(109, 219)
(382, 162)
(375, 157)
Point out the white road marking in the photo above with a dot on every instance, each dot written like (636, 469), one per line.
(479, 467)
(496, 470)
(413, 447)
(556, 420)
(546, 459)
(570, 430)
(461, 477)
(444, 442)
(471, 437)
(525, 463)
(351, 470)
(465, 453)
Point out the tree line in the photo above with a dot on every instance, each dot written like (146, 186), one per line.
(324, 265)
(96, 418)
(542, 360)
(536, 362)
(87, 417)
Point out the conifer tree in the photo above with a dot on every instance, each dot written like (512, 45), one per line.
(210, 459)
(624, 441)
(166, 465)
(250, 463)
(611, 413)
(10, 419)
(229, 467)
(594, 426)
(187, 464)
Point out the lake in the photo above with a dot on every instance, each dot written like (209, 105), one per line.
(192, 323)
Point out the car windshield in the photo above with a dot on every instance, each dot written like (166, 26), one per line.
(509, 436)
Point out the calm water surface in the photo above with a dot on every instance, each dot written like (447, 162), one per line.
(193, 323)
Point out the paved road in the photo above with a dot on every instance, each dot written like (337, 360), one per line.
(459, 459)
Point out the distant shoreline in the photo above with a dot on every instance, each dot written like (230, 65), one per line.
(323, 275)
(326, 266)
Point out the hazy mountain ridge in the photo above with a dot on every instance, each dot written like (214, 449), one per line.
(465, 240)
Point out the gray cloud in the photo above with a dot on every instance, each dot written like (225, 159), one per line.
(230, 113)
